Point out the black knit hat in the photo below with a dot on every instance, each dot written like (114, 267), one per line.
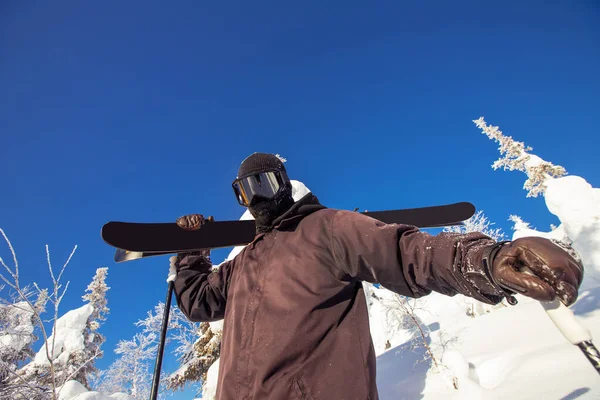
(260, 162)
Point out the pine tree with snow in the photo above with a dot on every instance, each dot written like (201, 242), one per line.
(83, 361)
(516, 157)
(74, 345)
(197, 360)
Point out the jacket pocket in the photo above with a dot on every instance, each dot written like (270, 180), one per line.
(300, 389)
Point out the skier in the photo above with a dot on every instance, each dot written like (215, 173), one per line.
(295, 315)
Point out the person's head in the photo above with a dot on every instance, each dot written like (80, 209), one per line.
(262, 185)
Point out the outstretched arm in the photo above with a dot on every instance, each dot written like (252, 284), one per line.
(410, 262)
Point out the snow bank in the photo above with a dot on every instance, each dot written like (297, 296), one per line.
(577, 205)
(73, 390)
(69, 338)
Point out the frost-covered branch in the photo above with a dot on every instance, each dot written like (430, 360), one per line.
(516, 157)
(55, 299)
(401, 312)
(129, 373)
(23, 294)
(63, 354)
(478, 223)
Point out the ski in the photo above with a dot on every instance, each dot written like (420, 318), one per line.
(135, 240)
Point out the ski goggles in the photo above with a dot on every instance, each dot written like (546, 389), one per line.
(264, 184)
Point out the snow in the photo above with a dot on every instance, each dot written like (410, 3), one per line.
(504, 352)
(18, 333)
(69, 338)
(209, 390)
(73, 390)
(577, 205)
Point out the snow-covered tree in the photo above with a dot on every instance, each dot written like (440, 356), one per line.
(84, 360)
(38, 379)
(67, 354)
(570, 198)
(478, 223)
(130, 372)
(196, 357)
(516, 157)
(133, 369)
(16, 338)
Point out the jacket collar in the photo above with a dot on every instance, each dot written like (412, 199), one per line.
(303, 207)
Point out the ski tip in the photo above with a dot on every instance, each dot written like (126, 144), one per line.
(126, 255)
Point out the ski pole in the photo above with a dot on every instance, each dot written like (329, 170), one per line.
(565, 321)
(161, 345)
(572, 330)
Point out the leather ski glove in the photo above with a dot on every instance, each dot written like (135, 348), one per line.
(199, 259)
(192, 222)
(536, 267)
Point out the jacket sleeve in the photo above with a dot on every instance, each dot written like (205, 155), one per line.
(410, 262)
(200, 292)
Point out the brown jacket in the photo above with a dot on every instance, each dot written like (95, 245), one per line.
(295, 315)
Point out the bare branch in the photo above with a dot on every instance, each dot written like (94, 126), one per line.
(67, 263)
(7, 281)
(63, 293)
(12, 250)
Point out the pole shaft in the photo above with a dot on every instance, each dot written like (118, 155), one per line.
(591, 353)
(161, 345)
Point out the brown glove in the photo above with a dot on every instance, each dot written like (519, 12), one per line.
(192, 222)
(538, 268)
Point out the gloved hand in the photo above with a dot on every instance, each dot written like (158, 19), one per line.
(188, 222)
(539, 268)
(192, 222)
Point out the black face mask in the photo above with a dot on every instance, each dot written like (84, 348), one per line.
(266, 211)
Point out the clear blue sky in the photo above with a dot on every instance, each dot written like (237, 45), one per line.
(142, 111)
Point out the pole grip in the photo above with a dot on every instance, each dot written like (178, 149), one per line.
(565, 321)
